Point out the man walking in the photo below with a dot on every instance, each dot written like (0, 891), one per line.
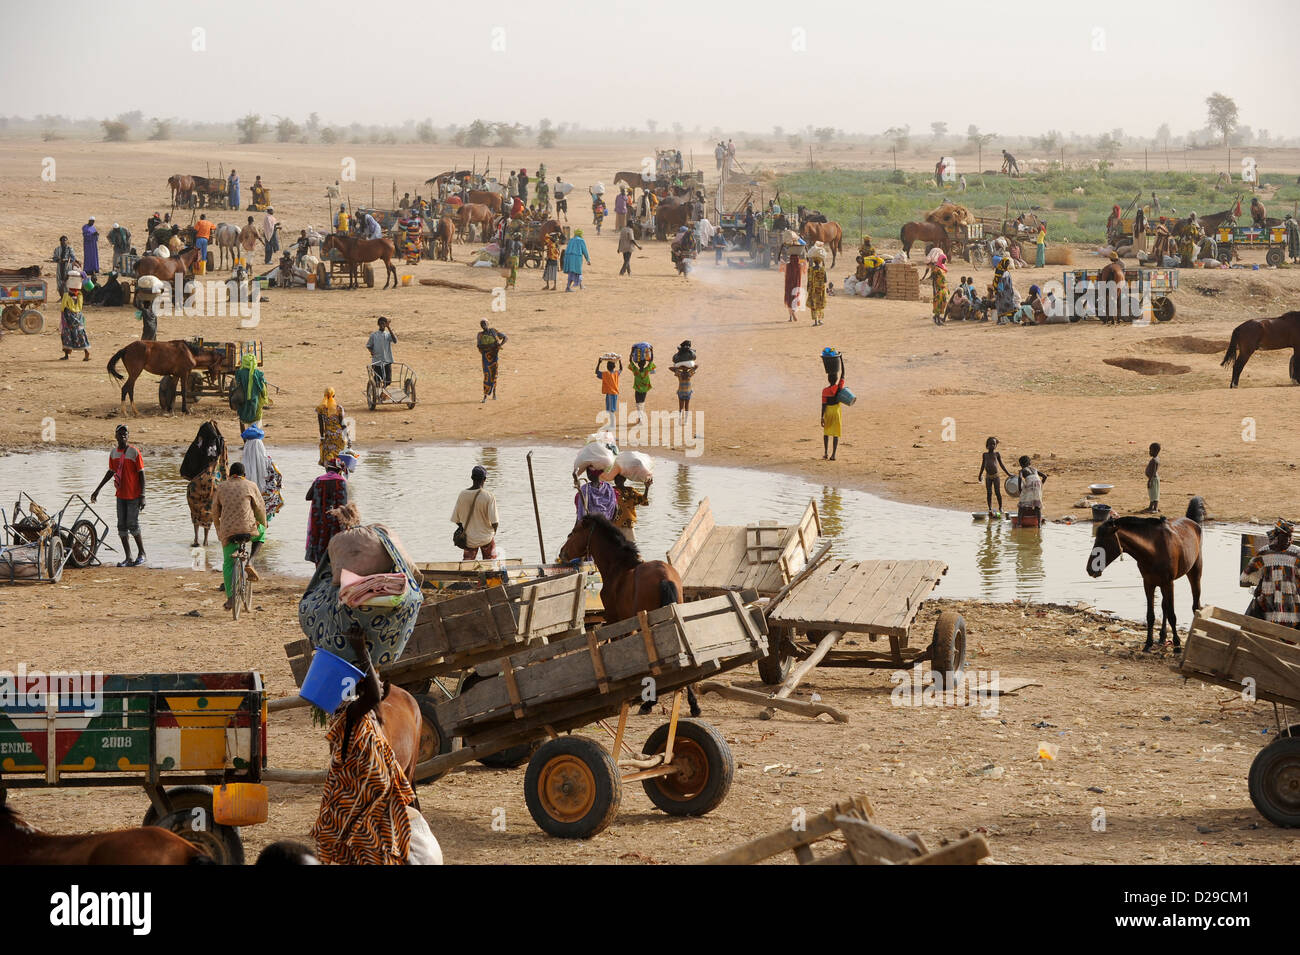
(126, 469)
(380, 346)
(120, 239)
(475, 517)
(90, 249)
(626, 243)
(232, 190)
(270, 234)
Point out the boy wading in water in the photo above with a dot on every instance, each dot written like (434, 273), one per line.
(1153, 479)
(989, 464)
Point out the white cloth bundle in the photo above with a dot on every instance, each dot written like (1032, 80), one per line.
(594, 455)
(633, 465)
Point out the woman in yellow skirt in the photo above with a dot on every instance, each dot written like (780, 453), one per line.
(831, 415)
(333, 432)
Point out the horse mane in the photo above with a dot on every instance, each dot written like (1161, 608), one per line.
(1136, 522)
(620, 543)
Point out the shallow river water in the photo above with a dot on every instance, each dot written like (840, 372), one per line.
(413, 488)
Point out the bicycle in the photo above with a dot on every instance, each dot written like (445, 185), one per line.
(241, 587)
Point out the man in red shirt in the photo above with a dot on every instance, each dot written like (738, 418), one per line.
(126, 468)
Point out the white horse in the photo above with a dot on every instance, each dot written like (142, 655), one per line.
(227, 239)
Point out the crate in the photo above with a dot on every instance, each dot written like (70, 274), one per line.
(902, 282)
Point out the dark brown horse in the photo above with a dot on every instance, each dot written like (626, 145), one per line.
(628, 584)
(475, 214)
(21, 843)
(182, 187)
(913, 232)
(635, 180)
(358, 251)
(828, 233)
(175, 358)
(444, 231)
(1164, 550)
(1266, 334)
(182, 263)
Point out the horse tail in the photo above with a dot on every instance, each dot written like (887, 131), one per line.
(113, 361)
(668, 593)
(1196, 509)
(1232, 348)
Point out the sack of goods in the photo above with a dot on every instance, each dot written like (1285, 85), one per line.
(595, 454)
(150, 285)
(633, 465)
(643, 352)
(685, 353)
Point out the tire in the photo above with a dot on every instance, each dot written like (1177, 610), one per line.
(222, 843)
(247, 593)
(1274, 256)
(572, 787)
(708, 767)
(1163, 308)
(9, 318)
(372, 395)
(237, 585)
(31, 322)
(322, 275)
(773, 668)
(167, 392)
(368, 275)
(409, 388)
(82, 542)
(194, 385)
(507, 758)
(433, 739)
(948, 651)
(1275, 782)
(1225, 255)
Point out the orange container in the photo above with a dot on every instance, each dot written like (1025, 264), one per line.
(239, 804)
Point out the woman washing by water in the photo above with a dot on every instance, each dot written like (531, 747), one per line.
(261, 470)
(333, 432)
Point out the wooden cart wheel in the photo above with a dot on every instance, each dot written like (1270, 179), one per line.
(774, 667)
(191, 818)
(948, 651)
(1274, 256)
(9, 317)
(372, 395)
(572, 787)
(31, 322)
(166, 392)
(368, 275)
(1275, 782)
(409, 388)
(1225, 254)
(195, 386)
(433, 740)
(1162, 308)
(705, 769)
(82, 542)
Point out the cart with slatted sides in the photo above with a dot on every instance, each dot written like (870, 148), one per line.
(1260, 660)
(21, 298)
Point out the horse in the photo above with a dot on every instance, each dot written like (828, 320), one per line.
(21, 843)
(634, 179)
(395, 709)
(486, 197)
(226, 237)
(628, 583)
(829, 233)
(182, 187)
(1267, 334)
(814, 216)
(475, 213)
(356, 251)
(444, 231)
(209, 191)
(912, 232)
(175, 358)
(182, 263)
(1164, 550)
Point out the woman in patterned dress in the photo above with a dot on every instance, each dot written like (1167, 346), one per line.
(72, 323)
(205, 464)
(333, 433)
(327, 492)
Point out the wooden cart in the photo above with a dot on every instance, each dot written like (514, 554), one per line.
(1233, 240)
(218, 384)
(20, 303)
(176, 735)
(1261, 660)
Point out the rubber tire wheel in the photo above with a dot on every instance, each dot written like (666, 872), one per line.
(368, 275)
(409, 388)
(508, 758)
(372, 395)
(1274, 257)
(1162, 307)
(606, 794)
(1276, 772)
(237, 584)
(82, 542)
(322, 275)
(9, 318)
(948, 651)
(31, 322)
(434, 741)
(1225, 256)
(773, 668)
(222, 843)
(166, 392)
(714, 768)
(195, 384)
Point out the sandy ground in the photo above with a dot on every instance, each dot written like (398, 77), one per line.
(1045, 391)
(1163, 759)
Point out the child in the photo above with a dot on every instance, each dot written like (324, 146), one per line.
(817, 285)
(641, 372)
(1031, 490)
(1153, 479)
(831, 420)
(629, 499)
(685, 372)
(609, 383)
(989, 464)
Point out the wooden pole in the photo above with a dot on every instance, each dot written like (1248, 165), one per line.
(893, 151)
(372, 192)
(537, 514)
(1146, 166)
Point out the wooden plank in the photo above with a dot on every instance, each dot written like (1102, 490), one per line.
(1265, 627)
(815, 828)
(806, 665)
(697, 572)
(870, 844)
(1232, 656)
(808, 569)
(872, 609)
(816, 591)
(967, 851)
(729, 692)
(901, 604)
(682, 554)
(830, 596)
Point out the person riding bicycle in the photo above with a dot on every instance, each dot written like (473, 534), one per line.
(239, 516)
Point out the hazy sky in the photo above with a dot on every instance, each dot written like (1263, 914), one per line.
(1009, 67)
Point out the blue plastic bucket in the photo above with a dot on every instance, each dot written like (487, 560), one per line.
(329, 680)
(847, 397)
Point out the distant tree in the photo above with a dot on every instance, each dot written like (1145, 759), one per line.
(162, 129)
(477, 133)
(286, 130)
(794, 140)
(313, 124)
(131, 119)
(979, 141)
(1163, 136)
(1107, 146)
(825, 134)
(115, 131)
(425, 133)
(546, 134)
(1222, 114)
(677, 129)
(939, 130)
(507, 134)
(329, 135)
(900, 136)
(1049, 142)
(778, 132)
(250, 128)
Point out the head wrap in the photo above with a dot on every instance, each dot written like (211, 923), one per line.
(250, 363)
(329, 406)
(252, 433)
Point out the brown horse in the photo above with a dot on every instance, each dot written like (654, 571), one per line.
(486, 197)
(1164, 550)
(828, 233)
(913, 232)
(21, 843)
(357, 251)
(396, 710)
(175, 358)
(635, 180)
(1266, 334)
(628, 584)
(475, 213)
(182, 263)
(443, 234)
(182, 187)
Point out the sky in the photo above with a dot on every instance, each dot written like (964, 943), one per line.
(1015, 68)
